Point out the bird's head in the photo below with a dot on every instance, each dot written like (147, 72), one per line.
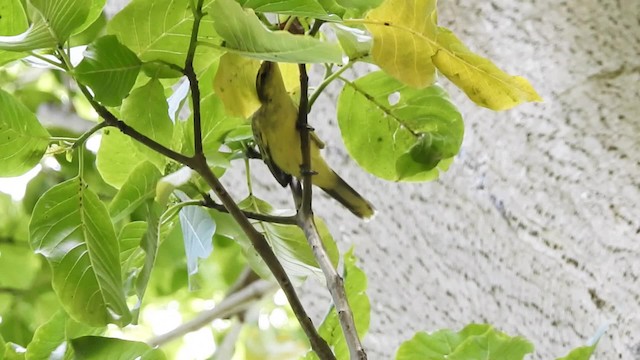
(268, 81)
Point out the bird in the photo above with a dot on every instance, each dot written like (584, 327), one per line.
(276, 133)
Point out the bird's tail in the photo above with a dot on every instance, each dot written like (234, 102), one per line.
(350, 198)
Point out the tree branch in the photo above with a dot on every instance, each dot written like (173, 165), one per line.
(285, 220)
(112, 120)
(232, 304)
(193, 80)
(306, 222)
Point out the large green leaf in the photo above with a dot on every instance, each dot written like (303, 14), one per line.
(52, 336)
(288, 243)
(147, 111)
(140, 186)
(131, 254)
(71, 228)
(160, 30)
(245, 34)
(474, 342)
(110, 69)
(407, 44)
(355, 284)
(13, 19)
(401, 139)
(63, 17)
(304, 8)
(23, 140)
(99, 348)
(118, 157)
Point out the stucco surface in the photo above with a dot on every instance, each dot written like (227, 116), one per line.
(536, 226)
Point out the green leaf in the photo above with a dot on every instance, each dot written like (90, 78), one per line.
(131, 253)
(110, 69)
(118, 157)
(355, 283)
(12, 257)
(147, 111)
(150, 243)
(95, 12)
(402, 138)
(140, 186)
(474, 342)
(37, 36)
(303, 8)
(13, 352)
(99, 348)
(197, 231)
(13, 19)
(71, 228)
(355, 43)
(288, 243)
(63, 16)
(159, 30)
(52, 336)
(23, 141)
(401, 31)
(358, 7)
(246, 35)
(585, 352)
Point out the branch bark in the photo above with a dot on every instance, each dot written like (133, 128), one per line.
(306, 222)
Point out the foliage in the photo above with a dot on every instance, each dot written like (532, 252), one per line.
(141, 231)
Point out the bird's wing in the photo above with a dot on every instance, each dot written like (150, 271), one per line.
(283, 178)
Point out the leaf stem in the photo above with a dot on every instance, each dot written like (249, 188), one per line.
(82, 139)
(328, 80)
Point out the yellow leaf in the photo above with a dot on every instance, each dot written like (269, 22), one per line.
(235, 84)
(408, 45)
(478, 77)
(400, 29)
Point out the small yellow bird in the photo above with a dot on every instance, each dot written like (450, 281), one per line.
(277, 136)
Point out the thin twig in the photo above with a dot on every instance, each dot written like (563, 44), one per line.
(232, 304)
(285, 220)
(82, 139)
(335, 283)
(326, 82)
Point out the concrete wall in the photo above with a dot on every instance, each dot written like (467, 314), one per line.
(536, 226)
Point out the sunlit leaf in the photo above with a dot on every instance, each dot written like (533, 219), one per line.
(23, 141)
(71, 228)
(131, 254)
(480, 79)
(118, 157)
(303, 8)
(13, 19)
(159, 30)
(246, 35)
(150, 243)
(397, 132)
(140, 186)
(63, 16)
(585, 352)
(355, 43)
(147, 111)
(99, 348)
(49, 340)
(401, 31)
(475, 341)
(110, 69)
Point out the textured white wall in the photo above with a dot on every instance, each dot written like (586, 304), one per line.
(536, 226)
